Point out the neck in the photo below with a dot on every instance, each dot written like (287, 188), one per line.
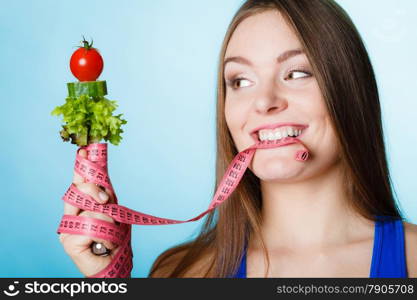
(308, 214)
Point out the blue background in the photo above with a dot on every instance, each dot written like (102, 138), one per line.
(160, 65)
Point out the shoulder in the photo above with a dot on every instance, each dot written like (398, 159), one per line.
(410, 232)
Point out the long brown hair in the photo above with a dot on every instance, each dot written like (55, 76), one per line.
(346, 79)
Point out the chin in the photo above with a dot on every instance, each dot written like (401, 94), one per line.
(277, 170)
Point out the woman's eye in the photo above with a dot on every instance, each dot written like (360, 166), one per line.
(239, 83)
(296, 74)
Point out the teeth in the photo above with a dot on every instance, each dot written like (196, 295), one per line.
(277, 134)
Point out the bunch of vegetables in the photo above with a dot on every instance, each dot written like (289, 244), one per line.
(87, 114)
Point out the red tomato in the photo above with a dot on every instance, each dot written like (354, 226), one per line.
(86, 63)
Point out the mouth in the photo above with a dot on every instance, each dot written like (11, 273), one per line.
(276, 132)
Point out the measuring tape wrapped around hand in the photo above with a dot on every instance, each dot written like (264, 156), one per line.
(94, 169)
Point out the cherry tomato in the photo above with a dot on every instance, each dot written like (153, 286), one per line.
(86, 63)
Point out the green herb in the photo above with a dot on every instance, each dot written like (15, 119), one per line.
(89, 120)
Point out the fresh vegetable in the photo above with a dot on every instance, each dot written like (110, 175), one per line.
(86, 63)
(91, 88)
(87, 114)
(89, 120)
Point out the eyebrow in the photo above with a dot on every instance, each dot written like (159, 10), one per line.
(280, 59)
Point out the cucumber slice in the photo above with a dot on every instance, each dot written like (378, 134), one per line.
(89, 88)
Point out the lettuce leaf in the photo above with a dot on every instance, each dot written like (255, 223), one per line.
(89, 120)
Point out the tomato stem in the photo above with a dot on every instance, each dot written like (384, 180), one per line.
(87, 45)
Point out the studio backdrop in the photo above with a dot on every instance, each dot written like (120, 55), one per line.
(160, 65)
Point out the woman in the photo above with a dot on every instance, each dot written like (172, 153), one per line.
(286, 65)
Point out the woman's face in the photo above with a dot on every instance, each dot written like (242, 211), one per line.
(269, 80)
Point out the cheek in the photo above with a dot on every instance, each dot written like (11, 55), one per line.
(324, 145)
(235, 118)
(331, 142)
(321, 137)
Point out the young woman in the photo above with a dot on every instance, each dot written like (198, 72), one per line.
(286, 65)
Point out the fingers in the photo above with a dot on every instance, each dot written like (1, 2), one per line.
(107, 244)
(75, 243)
(99, 193)
(90, 264)
(94, 191)
(96, 215)
(70, 209)
(77, 178)
(108, 192)
(78, 246)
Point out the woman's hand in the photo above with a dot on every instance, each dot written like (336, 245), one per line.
(78, 246)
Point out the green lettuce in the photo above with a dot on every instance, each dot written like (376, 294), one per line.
(89, 120)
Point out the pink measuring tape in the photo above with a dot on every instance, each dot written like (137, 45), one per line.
(94, 169)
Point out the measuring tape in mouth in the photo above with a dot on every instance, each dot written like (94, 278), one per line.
(94, 169)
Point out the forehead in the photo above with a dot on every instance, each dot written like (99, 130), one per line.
(262, 37)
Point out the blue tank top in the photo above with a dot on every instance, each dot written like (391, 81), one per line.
(388, 256)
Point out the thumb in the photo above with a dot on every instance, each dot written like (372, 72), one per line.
(83, 153)
(77, 178)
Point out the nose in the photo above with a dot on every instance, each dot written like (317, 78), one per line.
(269, 100)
